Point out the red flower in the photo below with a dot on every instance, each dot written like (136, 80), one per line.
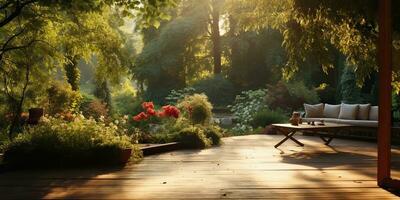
(148, 105)
(171, 111)
(151, 112)
(141, 116)
(161, 114)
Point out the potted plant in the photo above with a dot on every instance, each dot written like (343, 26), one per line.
(125, 155)
(34, 115)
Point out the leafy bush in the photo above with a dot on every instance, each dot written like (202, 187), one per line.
(93, 107)
(328, 94)
(177, 95)
(55, 142)
(245, 106)
(125, 101)
(169, 131)
(290, 96)
(267, 117)
(61, 98)
(194, 137)
(198, 108)
(214, 133)
(218, 89)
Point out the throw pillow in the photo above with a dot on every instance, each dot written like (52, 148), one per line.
(348, 111)
(331, 111)
(373, 113)
(363, 111)
(314, 111)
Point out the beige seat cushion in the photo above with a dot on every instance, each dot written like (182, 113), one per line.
(314, 111)
(363, 111)
(373, 113)
(348, 111)
(359, 123)
(331, 111)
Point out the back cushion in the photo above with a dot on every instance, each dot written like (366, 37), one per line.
(348, 111)
(373, 113)
(331, 111)
(363, 111)
(314, 111)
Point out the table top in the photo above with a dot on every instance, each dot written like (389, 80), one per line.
(306, 126)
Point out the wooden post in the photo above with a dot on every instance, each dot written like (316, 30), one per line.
(385, 91)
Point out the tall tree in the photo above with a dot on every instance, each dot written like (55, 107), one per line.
(44, 28)
(311, 27)
(215, 13)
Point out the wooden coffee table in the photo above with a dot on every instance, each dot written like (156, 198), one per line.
(289, 130)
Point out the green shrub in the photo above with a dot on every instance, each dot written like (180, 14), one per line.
(177, 95)
(245, 106)
(290, 96)
(194, 137)
(214, 133)
(266, 117)
(125, 101)
(55, 142)
(219, 90)
(197, 108)
(327, 93)
(61, 98)
(93, 107)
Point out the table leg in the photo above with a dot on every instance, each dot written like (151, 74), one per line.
(327, 141)
(288, 136)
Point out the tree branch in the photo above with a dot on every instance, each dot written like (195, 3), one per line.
(15, 13)
(4, 6)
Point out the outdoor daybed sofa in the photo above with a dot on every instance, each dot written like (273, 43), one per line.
(357, 115)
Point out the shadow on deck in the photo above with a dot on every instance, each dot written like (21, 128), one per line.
(243, 167)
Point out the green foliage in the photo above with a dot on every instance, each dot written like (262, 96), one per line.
(245, 106)
(219, 90)
(55, 142)
(327, 94)
(177, 95)
(267, 117)
(168, 131)
(73, 74)
(290, 96)
(169, 59)
(396, 107)
(214, 133)
(125, 101)
(102, 92)
(194, 137)
(61, 98)
(350, 92)
(93, 107)
(255, 57)
(310, 29)
(197, 108)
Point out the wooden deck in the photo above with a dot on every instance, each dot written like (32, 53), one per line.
(243, 167)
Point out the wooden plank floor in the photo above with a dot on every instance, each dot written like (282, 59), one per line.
(244, 167)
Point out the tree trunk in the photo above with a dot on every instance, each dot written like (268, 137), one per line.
(72, 72)
(18, 109)
(215, 37)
